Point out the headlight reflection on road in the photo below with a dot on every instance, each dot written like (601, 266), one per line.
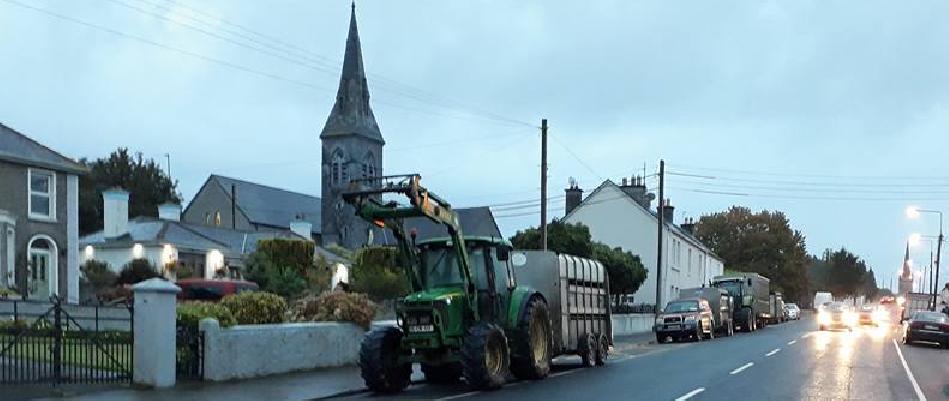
(821, 340)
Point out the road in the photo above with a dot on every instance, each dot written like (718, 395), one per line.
(791, 361)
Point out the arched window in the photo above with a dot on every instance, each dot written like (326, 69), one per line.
(368, 166)
(337, 167)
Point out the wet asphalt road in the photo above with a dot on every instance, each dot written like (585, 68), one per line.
(791, 361)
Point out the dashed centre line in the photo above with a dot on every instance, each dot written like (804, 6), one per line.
(741, 368)
(774, 351)
(792, 342)
(690, 394)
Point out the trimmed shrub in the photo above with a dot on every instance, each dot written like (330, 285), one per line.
(190, 314)
(256, 307)
(136, 271)
(288, 252)
(335, 306)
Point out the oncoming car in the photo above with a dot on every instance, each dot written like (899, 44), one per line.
(873, 315)
(792, 311)
(836, 316)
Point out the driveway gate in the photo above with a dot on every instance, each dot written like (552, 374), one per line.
(54, 343)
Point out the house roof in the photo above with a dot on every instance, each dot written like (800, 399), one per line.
(475, 221)
(589, 200)
(18, 148)
(271, 206)
(148, 230)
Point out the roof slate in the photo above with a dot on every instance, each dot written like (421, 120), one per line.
(18, 148)
(271, 206)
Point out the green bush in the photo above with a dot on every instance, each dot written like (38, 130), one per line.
(376, 273)
(256, 307)
(190, 313)
(273, 274)
(288, 252)
(12, 325)
(136, 271)
(335, 306)
(8, 293)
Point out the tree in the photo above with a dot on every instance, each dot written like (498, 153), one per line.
(624, 269)
(762, 242)
(376, 273)
(148, 186)
(137, 270)
(843, 274)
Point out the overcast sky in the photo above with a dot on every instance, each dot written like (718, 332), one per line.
(836, 113)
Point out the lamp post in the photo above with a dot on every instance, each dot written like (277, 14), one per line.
(913, 213)
(914, 240)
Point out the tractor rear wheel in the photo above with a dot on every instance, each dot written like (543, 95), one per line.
(531, 356)
(485, 357)
(447, 373)
(586, 347)
(379, 361)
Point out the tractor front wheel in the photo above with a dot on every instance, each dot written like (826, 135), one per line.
(379, 361)
(485, 357)
(531, 358)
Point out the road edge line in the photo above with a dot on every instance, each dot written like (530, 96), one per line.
(912, 378)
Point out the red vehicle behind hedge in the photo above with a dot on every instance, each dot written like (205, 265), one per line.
(199, 289)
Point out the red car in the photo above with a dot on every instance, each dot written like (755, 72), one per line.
(199, 289)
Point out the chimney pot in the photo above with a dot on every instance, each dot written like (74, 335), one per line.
(572, 199)
(115, 212)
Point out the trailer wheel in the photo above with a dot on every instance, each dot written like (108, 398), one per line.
(731, 328)
(748, 321)
(379, 361)
(531, 357)
(447, 373)
(586, 347)
(485, 357)
(602, 351)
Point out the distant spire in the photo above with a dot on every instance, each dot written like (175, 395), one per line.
(351, 114)
(907, 271)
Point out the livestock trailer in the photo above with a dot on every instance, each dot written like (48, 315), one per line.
(577, 292)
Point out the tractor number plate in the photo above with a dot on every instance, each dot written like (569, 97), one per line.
(422, 328)
(928, 327)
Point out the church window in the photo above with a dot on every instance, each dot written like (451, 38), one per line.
(337, 171)
(368, 166)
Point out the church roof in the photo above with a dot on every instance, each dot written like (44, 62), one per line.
(269, 206)
(351, 114)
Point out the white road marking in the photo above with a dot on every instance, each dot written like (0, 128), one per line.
(792, 342)
(919, 391)
(743, 367)
(566, 372)
(456, 396)
(690, 394)
(774, 351)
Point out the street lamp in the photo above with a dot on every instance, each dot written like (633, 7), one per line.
(914, 212)
(915, 240)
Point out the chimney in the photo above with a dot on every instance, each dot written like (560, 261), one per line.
(115, 212)
(635, 187)
(668, 211)
(302, 228)
(169, 211)
(689, 226)
(574, 195)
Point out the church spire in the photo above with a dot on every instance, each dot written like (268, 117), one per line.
(351, 114)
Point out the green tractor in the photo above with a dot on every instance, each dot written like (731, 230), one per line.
(465, 317)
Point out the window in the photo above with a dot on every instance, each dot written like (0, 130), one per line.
(368, 166)
(217, 218)
(337, 167)
(207, 218)
(42, 194)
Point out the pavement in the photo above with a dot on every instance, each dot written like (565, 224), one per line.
(790, 361)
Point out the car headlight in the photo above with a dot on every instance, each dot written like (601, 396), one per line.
(658, 320)
(823, 317)
(850, 317)
(880, 315)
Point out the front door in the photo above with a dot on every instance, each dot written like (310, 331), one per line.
(39, 274)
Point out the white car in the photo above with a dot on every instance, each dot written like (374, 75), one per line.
(792, 311)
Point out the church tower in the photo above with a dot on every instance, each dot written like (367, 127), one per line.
(351, 148)
(906, 275)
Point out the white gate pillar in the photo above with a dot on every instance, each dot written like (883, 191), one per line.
(154, 351)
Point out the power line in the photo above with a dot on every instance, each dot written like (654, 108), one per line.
(814, 183)
(781, 174)
(583, 163)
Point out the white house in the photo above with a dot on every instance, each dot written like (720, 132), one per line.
(620, 216)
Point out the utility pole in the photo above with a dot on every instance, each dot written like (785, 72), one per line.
(938, 254)
(543, 183)
(168, 160)
(662, 183)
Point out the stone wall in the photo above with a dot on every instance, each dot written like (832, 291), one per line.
(240, 352)
(633, 323)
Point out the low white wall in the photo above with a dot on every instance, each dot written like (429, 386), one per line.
(634, 323)
(258, 350)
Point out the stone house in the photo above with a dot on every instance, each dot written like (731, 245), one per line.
(39, 218)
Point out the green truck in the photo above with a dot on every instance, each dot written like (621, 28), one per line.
(752, 294)
(476, 310)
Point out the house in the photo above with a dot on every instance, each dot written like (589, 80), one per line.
(240, 205)
(39, 219)
(168, 243)
(620, 216)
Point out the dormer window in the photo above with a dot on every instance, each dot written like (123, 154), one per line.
(42, 194)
